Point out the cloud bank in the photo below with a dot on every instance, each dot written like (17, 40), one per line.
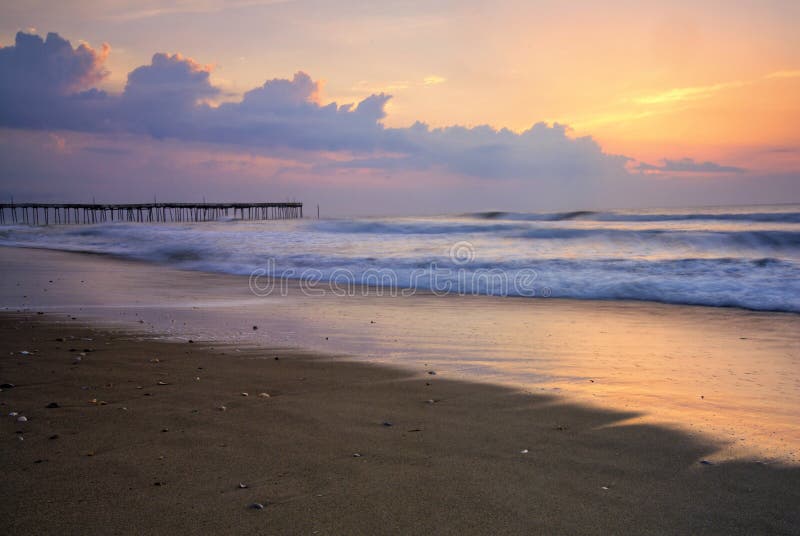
(48, 84)
(688, 165)
(164, 134)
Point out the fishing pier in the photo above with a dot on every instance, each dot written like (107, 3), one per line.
(79, 213)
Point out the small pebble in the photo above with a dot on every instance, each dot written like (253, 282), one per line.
(242, 485)
(13, 414)
(222, 408)
(523, 451)
(263, 395)
(52, 405)
(255, 328)
(162, 383)
(706, 462)
(22, 418)
(432, 372)
(256, 506)
(245, 394)
(387, 423)
(356, 455)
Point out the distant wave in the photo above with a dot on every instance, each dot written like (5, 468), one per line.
(762, 239)
(744, 262)
(762, 217)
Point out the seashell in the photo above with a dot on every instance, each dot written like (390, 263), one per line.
(22, 418)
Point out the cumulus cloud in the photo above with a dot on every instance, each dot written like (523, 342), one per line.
(168, 99)
(173, 79)
(43, 81)
(49, 65)
(687, 165)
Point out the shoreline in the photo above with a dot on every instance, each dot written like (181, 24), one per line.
(367, 290)
(447, 467)
(724, 373)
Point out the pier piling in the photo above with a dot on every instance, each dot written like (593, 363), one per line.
(78, 213)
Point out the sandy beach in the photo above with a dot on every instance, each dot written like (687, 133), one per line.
(137, 441)
(139, 445)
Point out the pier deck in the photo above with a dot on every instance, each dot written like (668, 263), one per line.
(82, 213)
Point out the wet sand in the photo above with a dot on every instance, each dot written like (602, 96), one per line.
(139, 445)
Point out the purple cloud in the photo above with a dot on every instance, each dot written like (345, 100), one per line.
(688, 165)
(167, 99)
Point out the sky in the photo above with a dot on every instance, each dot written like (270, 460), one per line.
(401, 107)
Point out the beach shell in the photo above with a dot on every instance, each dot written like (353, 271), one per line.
(22, 418)
(256, 506)
(242, 485)
(222, 408)
(245, 394)
(13, 414)
(24, 352)
(263, 395)
(523, 451)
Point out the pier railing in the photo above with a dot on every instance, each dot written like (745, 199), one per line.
(72, 213)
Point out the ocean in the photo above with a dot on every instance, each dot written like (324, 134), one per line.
(747, 257)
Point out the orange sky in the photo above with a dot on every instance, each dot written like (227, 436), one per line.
(708, 80)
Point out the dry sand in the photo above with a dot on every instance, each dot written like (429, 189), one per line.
(138, 445)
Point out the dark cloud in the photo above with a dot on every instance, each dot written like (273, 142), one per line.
(49, 65)
(46, 84)
(688, 165)
(161, 99)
